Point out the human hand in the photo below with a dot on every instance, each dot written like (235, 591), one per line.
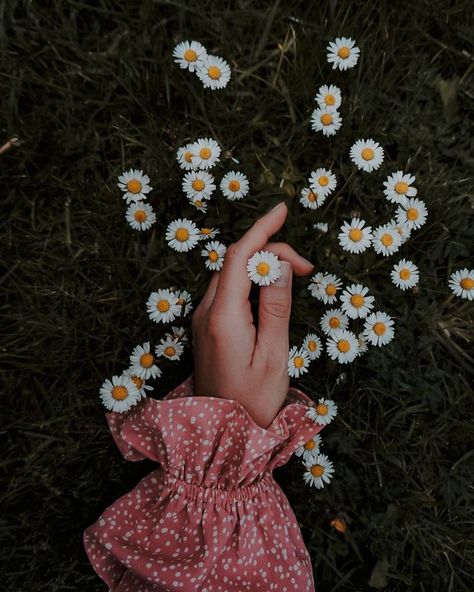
(230, 359)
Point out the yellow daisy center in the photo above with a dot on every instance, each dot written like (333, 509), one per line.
(357, 300)
(312, 345)
(412, 213)
(138, 381)
(326, 119)
(323, 180)
(134, 186)
(188, 156)
(401, 187)
(317, 470)
(263, 268)
(344, 52)
(182, 234)
(234, 185)
(180, 301)
(198, 184)
(214, 72)
(198, 203)
(331, 289)
(312, 196)
(404, 273)
(298, 362)
(310, 445)
(163, 305)
(205, 231)
(322, 409)
(334, 322)
(205, 153)
(368, 154)
(213, 256)
(343, 345)
(170, 351)
(120, 393)
(467, 283)
(330, 99)
(190, 55)
(140, 216)
(387, 239)
(355, 234)
(146, 360)
(379, 328)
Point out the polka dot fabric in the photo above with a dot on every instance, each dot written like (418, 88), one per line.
(211, 517)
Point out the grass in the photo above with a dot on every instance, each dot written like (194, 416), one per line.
(90, 89)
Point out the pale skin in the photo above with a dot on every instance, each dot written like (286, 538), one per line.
(231, 359)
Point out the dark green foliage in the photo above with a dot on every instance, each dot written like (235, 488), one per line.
(90, 89)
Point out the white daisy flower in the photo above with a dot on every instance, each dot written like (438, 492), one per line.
(461, 283)
(169, 348)
(378, 328)
(263, 268)
(355, 302)
(199, 204)
(139, 383)
(362, 341)
(312, 344)
(343, 53)
(386, 240)
(198, 184)
(332, 320)
(403, 229)
(326, 120)
(322, 181)
(354, 237)
(316, 284)
(182, 234)
(140, 215)
(135, 185)
(214, 72)
(120, 394)
(184, 301)
(342, 345)
(329, 96)
(310, 448)
(206, 153)
(179, 333)
(398, 187)
(184, 156)
(319, 470)
(413, 211)
(324, 412)
(298, 361)
(329, 291)
(322, 226)
(405, 274)
(367, 155)
(189, 55)
(162, 306)
(234, 185)
(214, 252)
(206, 233)
(142, 362)
(311, 199)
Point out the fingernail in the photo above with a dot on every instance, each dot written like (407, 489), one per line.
(306, 261)
(284, 278)
(280, 205)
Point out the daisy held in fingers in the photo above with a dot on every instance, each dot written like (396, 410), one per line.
(263, 268)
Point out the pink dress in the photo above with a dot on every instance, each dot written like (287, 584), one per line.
(211, 517)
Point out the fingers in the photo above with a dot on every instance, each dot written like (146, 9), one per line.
(208, 297)
(300, 265)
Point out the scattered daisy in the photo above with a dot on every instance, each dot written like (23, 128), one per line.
(142, 362)
(214, 252)
(135, 185)
(184, 156)
(332, 320)
(298, 361)
(362, 341)
(311, 199)
(139, 383)
(329, 96)
(461, 283)
(263, 268)
(312, 344)
(310, 448)
(214, 72)
(140, 215)
(234, 185)
(169, 348)
(206, 153)
(405, 274)
(198, 184)
(182, 234)
(403, 229)
(322, 181)
(329, 289)
(119, 394)
(179, 333)
(367, 155)
(162, 306)
(206, 233)
(355, 302)
(326, 120)
(315, 284)
(189, 54)
(322, 226)
(378, 328)
(319, 470)
(324, 412)
(413, 211)
(398, 187)
(342, 345)
(386, 240)
(354, 237)
(199, 204)
(343, 53)
(184, 301)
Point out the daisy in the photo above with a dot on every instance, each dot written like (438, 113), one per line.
(322, 181)
(184, 300)
(199, 204)
(405, 274)
(312, 344)
(198, 184)
(310, 448)
(461, 283)
(354, 237)
(398, 187)
(139, 382)
(316, 284)
(179, 333)
(329, 97)
(206, 233)
(386, 240)
(329, 289)
(169, 348)
(214, 252)
(135, 185)
(326, 120)
(119, 394)
(140, 215)
(298, 361)
(182, 234)
(413, 211)
(367, 155)
(342, 345)
(263, 268)
(234, 185)
(322, 226)
(311, 199)
(214, 72)
(319, 470)
(142, 362)
(355, 303)
(343, 53)
(189, 55)
(324, 412)
(184, 156)
(332, 320)
(362, 341)
(206, 153)
(403, 229)
(162, 306)
(378, 328)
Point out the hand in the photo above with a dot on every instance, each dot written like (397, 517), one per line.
(230, 359)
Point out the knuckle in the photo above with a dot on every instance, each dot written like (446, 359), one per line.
(214, 324)
(277, 308)
(233, 250)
